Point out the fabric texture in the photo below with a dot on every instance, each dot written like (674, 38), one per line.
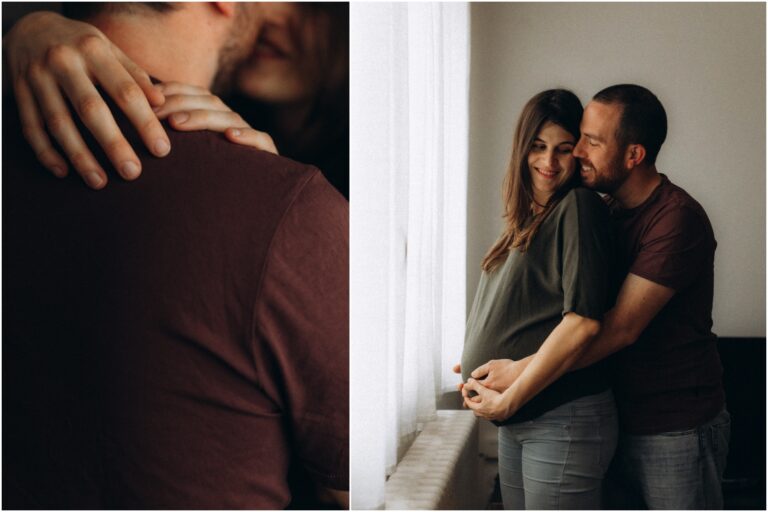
(180, 341)
(671, 377)
(567, 268)
(558, 460)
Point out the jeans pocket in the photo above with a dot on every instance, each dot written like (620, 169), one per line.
(720, 430)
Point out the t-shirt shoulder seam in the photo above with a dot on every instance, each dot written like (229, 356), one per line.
(299, 189)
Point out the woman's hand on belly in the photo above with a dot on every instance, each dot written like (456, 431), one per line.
(487, 403)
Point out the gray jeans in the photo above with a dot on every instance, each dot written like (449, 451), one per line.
(672, 471)
(558, 460)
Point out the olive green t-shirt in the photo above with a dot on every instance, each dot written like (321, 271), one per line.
(568, 267)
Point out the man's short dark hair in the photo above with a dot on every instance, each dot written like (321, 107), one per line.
(85, 10)
(643, 118)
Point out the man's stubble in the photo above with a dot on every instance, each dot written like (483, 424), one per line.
(238, 47)
(612, 177)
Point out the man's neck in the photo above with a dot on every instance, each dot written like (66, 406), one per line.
(638, 187)
(168, 46)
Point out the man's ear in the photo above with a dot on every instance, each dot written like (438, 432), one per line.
(225, 8)
(634, 156)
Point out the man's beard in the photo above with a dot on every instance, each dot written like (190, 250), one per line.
(241, 42)
(611, 177)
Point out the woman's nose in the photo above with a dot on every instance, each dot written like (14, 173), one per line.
(551, 159)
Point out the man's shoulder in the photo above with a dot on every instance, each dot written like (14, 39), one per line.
(676, 195)
(677, 206)
(207, 158)
(668, 205)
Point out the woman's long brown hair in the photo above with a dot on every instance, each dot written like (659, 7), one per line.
(558, 106)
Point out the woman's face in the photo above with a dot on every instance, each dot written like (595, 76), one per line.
(551, 161)
(283, 66)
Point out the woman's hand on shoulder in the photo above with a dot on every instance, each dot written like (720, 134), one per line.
(192, 108)
(46, 54)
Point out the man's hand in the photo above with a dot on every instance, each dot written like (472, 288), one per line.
(487, 403)
(47, 54)
(499, 374)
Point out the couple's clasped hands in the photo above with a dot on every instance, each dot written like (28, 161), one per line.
(489, 383)
(51, 58)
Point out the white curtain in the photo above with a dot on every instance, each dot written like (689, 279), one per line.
(409, 117)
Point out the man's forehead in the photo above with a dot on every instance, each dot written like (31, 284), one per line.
(600, 116)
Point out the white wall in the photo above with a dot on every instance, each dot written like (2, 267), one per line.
(705, 62)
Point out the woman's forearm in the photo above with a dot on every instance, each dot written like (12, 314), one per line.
(557, 355)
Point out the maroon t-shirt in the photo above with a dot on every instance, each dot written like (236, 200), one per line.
(670, 378)
(180, 341)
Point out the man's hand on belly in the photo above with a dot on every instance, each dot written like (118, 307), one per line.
(499, 374)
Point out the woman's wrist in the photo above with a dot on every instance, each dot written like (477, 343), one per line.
(510, 400)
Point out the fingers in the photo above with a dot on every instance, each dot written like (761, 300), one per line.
(171, 88)
(175, 103)
(130, 97)
(481, 371)
(214, 120)
(474, 403)
(34, 131)
(191, 108)
(473, 385)
(457, 368)
(96, 116)
(62, 127)
(250, 137)
(153, 93)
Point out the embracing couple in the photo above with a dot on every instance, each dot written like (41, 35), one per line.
(589, 340)
(181, 340)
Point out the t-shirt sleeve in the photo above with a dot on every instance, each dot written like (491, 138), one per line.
(674, 249)
(302, 329)
(587, 256)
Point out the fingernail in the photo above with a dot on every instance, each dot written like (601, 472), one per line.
(180, 117)
(162, 147)
(94, 179)
(236, 133)
(58, 171)
(130, 170)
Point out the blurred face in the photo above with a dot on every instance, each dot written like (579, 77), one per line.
(237, 47)
(550, 161)
(283, 67)
(601, 157)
